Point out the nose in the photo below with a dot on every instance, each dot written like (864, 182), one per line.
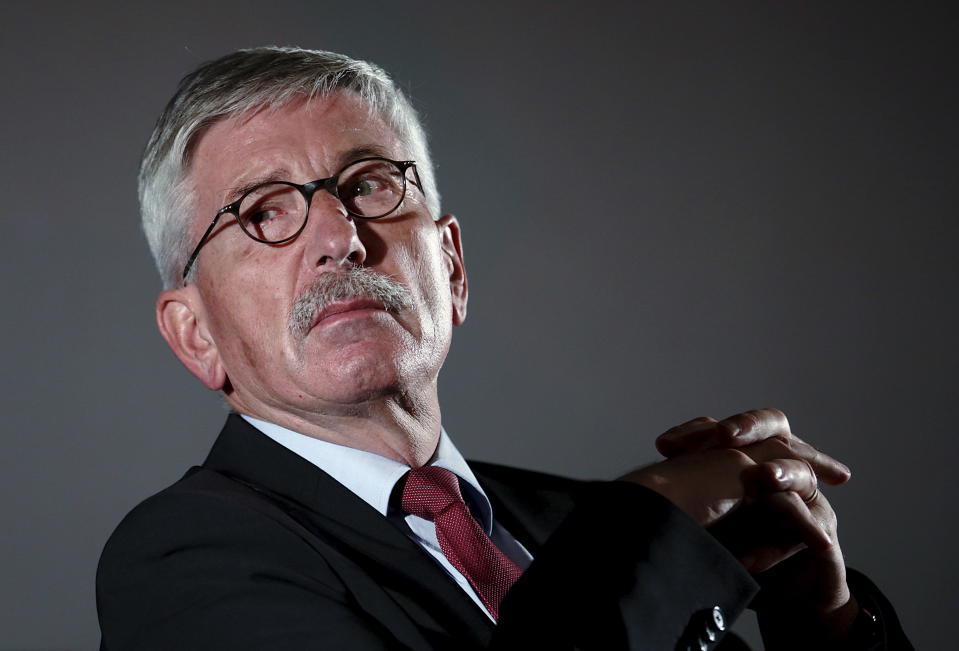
(332, 238)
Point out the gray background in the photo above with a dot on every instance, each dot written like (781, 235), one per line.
(670, 209)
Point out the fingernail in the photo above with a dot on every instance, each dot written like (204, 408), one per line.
(778, 472)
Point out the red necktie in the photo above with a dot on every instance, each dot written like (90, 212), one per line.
(433, 493)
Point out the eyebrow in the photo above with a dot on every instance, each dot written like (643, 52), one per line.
(283, 174)
(363, 151)
(237, 191)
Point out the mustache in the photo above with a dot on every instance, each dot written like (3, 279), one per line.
(355, 282)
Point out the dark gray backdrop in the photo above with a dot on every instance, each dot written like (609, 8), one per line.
(670, 209)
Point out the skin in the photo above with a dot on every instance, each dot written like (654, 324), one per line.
(754, 484)
(366, 378)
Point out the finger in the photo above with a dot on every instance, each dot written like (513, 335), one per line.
(753, 426)
(781, 475)
(788, 487)
(738, 430)
(684, 437)
(765, 530)
(830, 470)
(794, 515)
(797, 515)
(745, 429)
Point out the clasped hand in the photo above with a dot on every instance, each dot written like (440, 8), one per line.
(754, 484)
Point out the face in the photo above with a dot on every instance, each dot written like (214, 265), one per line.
(232, 327)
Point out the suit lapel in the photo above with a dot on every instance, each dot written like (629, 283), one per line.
(530, 505)
(369, 552)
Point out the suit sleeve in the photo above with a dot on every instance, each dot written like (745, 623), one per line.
(198, 572)
(625, 570)
(876, 628)
(652, 581)
(885, 632)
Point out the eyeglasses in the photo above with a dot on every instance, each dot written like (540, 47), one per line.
(276, 212)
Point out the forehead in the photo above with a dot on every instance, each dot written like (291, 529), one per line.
(304, 140)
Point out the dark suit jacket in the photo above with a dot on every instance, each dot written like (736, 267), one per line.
(258, 549)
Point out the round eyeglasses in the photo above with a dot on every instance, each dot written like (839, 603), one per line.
(276, 211)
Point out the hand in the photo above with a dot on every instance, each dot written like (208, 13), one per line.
(745, 429)
(785, 480)
(775, 533)
(706, 458)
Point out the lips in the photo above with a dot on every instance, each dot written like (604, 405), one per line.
(351, 305)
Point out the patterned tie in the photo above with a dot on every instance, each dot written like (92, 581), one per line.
(433, 493)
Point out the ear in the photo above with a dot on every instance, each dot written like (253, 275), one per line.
(453, 249)
(180, 315)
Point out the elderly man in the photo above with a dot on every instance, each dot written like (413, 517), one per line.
(290, 204)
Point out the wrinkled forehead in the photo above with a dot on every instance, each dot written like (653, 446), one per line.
(356, 115)
(299, 141)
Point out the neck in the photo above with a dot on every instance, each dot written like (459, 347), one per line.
(402, 427)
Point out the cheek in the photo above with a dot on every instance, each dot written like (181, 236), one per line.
(428, 265)
(433, 281)
(245, 320)
(249, 354)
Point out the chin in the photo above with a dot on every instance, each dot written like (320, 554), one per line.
(358, 379)
(362, 388)
(360, 372)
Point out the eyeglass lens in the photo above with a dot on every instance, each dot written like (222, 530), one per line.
(275, 211)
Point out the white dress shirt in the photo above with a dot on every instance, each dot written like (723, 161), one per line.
(372, 478)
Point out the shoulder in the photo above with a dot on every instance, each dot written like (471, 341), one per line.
(212, 562)
(206, 529)
(203, 509)
(182, 564)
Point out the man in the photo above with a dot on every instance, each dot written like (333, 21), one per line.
(290, 204)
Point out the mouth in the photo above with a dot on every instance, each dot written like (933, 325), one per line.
(347, 308)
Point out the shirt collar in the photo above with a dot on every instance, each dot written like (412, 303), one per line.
(372, 477)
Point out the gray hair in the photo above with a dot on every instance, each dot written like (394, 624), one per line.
(241, 82)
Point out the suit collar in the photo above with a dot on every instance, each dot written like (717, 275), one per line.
(352, 527)
(529, 504)
(373, 477)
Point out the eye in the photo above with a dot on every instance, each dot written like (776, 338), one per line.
(272, 212)
(365, 187)
(263, 215)
(371, 187)
(260, 216)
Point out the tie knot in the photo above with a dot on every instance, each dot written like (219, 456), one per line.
(430, 490)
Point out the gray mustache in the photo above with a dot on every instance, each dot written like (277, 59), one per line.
(355, 282)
